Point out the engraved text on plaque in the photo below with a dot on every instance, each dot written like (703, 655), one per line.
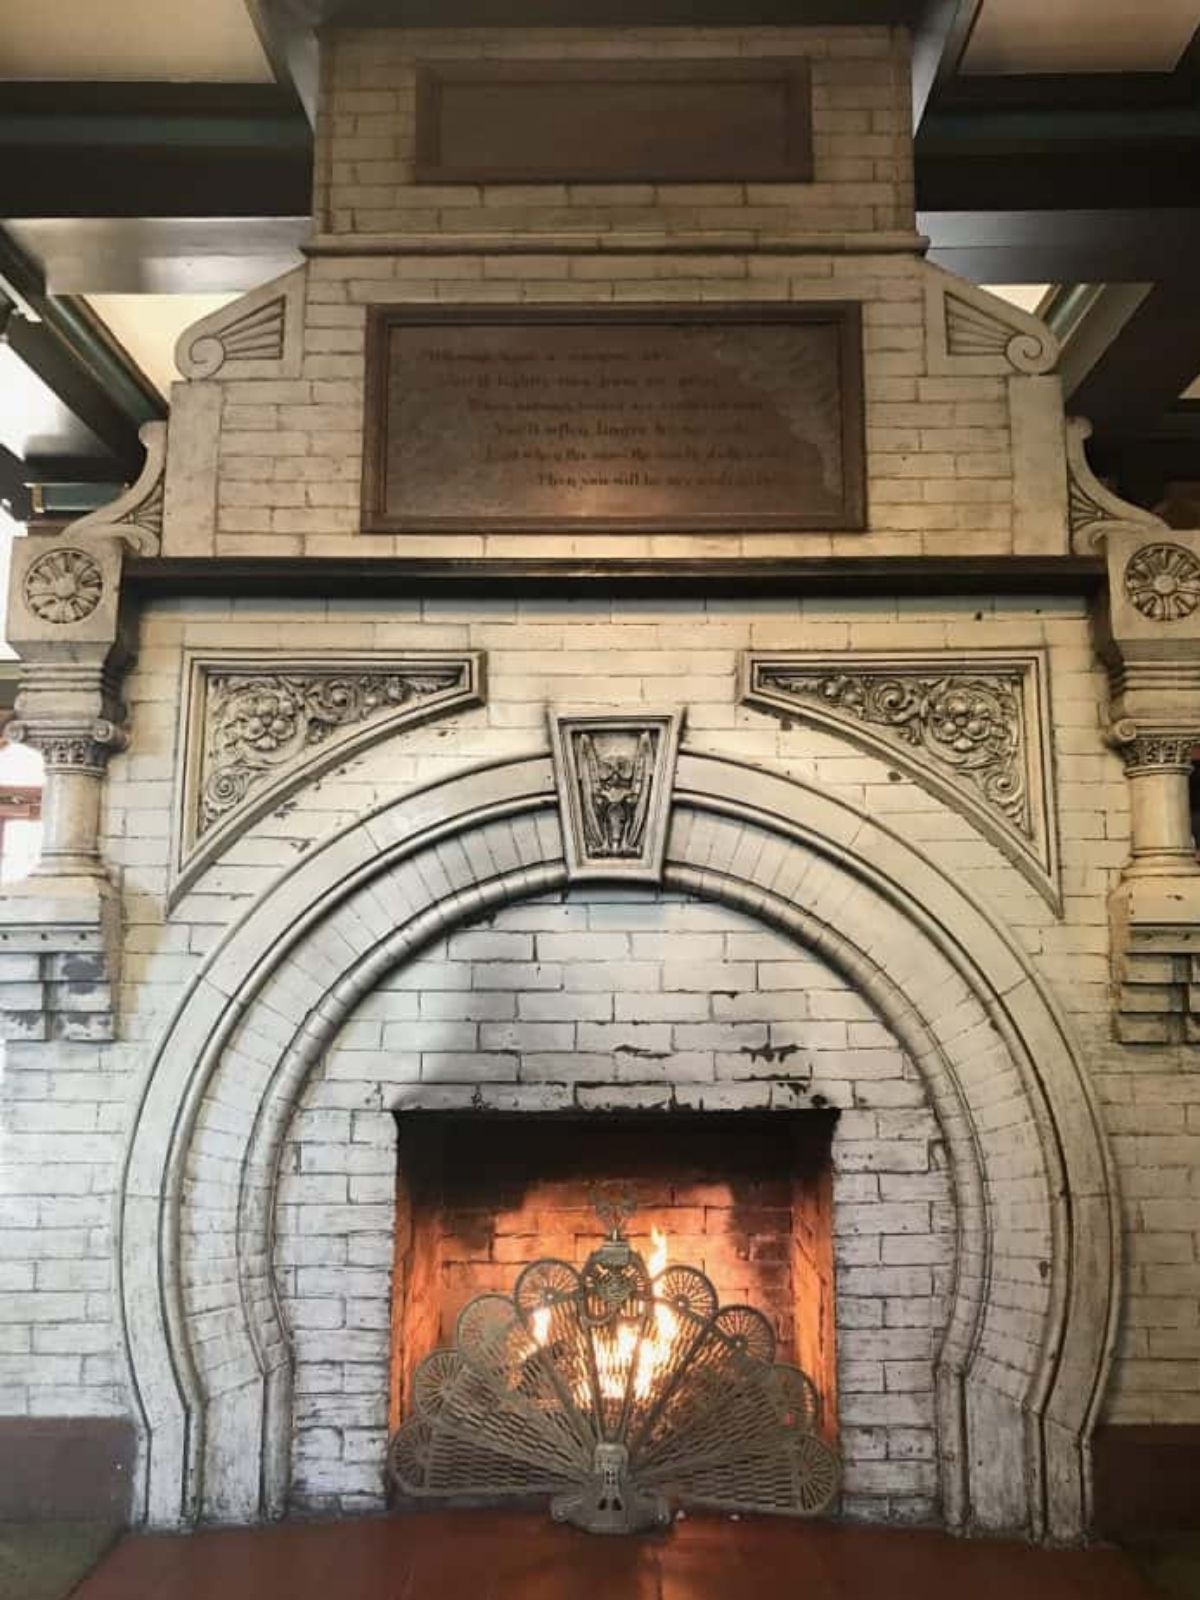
(646, 419)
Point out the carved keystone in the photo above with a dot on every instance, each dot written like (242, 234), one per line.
(615, 772)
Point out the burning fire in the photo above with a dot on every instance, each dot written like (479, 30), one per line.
(620, 1349)
(656, 1261)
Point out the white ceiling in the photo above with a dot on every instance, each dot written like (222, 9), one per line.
(187, 40)
(1080, 35)
(1028, 296)
(214, 40)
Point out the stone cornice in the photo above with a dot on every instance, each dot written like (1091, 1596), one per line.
(617, 241)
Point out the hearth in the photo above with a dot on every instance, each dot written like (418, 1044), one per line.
(630, 1312)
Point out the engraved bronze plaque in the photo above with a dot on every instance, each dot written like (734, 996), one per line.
(639, 419)
(614, 121)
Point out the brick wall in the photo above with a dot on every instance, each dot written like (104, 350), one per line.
(282, 455)
(862, 147)
(940, 465)
(64, 1122)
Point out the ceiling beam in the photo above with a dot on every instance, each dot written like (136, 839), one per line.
(1152, 359)
(1094, 245)
(287, 32)
(939, 38)
(161, 255)
(152, 149)
(15, 499)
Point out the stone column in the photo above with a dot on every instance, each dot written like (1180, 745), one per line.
(60, 928)
(1149, 633)
(1158, 765)
(64, 919)
(63, 623)
(60, 714)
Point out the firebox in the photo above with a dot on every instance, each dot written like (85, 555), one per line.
(744, 1197)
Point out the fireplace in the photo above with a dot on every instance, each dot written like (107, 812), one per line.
(757, 1108)
(692, 816)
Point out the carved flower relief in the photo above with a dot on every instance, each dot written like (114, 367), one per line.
(257, 723)
(265, 722)
(63, 586)
(971, 725)
(1162, 581)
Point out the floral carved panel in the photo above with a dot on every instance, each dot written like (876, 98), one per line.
(260, 726)
(970, 728)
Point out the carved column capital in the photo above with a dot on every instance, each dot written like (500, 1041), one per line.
(71, 746)
(1153, 750)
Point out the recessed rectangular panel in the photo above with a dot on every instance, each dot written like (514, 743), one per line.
(620, 122)
(649, 419)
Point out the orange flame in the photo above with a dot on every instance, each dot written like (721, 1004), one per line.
(619, 1350)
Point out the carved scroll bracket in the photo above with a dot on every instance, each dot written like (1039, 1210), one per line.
(615, 771)
(260, 725)
(1093, 510)
(971, 728)
(135, 517)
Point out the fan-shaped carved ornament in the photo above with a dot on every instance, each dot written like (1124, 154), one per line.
(258, 336)
(618, 1394)
(970, 331)
(136, 516)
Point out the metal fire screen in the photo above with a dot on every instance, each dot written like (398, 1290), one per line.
(617, 1393)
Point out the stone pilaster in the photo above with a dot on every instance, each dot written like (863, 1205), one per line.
(59, 927)
(1150, 638)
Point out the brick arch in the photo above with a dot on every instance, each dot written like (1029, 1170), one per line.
(1024, 1360)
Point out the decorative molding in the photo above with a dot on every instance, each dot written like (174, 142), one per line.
(970, 727)
(259, 336)
(1092, 509)
(135, 517)
(1150, 748)
(262, 724)
(972, 332)
(614, 773)
(1162, 581)
(63, 586)
(1153, 750)
(81, 745)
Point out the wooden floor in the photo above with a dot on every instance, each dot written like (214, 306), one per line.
(486, 1555)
